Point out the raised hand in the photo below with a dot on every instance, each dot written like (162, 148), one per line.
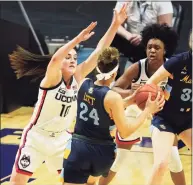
(131, 99)
(87, 32)
(120, 16)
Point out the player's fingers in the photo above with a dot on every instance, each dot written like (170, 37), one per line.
(160, 108)
(91, 26)
(115, 12)
(162, 98)
(138, 88)
(162, 104)
(149, 97)
(158, 96)
(123, 7)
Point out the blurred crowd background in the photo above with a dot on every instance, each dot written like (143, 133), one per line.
(55, 23)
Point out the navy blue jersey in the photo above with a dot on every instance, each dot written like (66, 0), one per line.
(180, 87)
(92, 119)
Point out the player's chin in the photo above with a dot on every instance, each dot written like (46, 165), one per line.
(72, 70)
(152, 59)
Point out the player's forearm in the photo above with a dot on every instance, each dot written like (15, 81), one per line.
(123, 92)
(130, 100)
(64, 50)
(123, 32)
(88, 66)
(132, 127)
(158, 76)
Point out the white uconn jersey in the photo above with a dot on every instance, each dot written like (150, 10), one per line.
(56, 107)
(143, 76)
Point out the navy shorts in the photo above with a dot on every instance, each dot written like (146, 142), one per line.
(87, 159)
(172, 123)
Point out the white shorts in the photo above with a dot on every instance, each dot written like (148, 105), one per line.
(131, 113)
(37, 147)
(121, 155)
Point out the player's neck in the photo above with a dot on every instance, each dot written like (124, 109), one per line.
(103, 83)
(153, 66)
(67, 79)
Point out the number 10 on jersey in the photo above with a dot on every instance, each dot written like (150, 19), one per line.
(65, 110)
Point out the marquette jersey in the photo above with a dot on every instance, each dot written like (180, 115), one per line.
(143, 75)
(56, 107)
(179, 88)
(92, 119)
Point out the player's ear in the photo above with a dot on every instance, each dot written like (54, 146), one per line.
(114, 75)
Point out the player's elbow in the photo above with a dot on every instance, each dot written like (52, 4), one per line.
(123, 135)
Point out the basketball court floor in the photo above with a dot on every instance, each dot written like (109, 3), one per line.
(134, 171)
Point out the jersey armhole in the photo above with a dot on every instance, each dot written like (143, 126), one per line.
(139, 72)
(83, 81)
(51, 88)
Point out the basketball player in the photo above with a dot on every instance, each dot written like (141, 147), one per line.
(176, 116)
(160, 41)
(92, 147)
(45, 138)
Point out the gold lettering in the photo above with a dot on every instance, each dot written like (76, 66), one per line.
(89, 99)
(185, 69)
(186, 79)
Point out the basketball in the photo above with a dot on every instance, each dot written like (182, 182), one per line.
(143, 93)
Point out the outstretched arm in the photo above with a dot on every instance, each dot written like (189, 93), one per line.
(87, 66)
(115, 107)
(53, 73)
(159, 75)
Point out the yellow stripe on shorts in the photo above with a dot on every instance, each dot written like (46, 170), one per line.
(66, 153)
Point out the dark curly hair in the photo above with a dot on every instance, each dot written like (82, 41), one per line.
(162, 32)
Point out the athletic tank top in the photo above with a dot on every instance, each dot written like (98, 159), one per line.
(56, 107)
(143, 75)
(142, 78)
(92, 119)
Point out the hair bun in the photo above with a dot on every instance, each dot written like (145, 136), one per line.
(113, 57)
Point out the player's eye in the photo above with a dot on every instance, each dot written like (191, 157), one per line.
(67, 57)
